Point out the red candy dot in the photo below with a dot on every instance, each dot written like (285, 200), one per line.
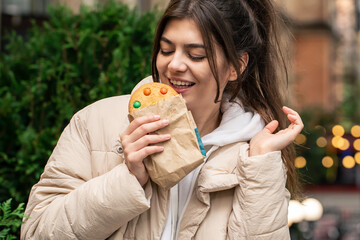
(147, 91)
(163, 90)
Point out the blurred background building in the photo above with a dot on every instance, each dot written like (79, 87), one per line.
(325, 40)
(315, 77)
(325, 56)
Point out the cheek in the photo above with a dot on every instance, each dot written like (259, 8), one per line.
(202, 71)
(160, 63)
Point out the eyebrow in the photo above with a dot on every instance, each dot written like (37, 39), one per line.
(190, 45)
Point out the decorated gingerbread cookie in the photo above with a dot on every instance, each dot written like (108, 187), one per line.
(149, 94)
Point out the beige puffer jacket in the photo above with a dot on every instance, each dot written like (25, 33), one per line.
(87, 192)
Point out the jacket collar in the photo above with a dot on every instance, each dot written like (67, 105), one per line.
(218, 173)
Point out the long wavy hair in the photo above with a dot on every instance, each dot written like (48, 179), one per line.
(240, 27)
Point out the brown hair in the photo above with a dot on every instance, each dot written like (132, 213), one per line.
(241, 26)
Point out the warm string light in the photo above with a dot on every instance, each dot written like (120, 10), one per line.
(357, 144)
(355, 131)
(321, 142)
(338, 141)
(357, 157)
(345, 144)
(327, 162)
(300, 162)
(338, 130)
(348, 162)
(300, 139)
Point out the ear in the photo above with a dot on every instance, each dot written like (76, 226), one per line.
(233, 74)
(243, 63)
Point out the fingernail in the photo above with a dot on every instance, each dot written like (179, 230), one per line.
(165, 122)
(167, 136)
(156, 117)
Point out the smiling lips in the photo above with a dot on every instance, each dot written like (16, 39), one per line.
(181, 84)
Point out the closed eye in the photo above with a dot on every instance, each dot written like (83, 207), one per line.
(166, 53)
(196, 58)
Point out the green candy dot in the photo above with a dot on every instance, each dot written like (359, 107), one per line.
(137, 104)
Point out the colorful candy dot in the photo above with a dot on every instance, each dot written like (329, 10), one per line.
(163, 90)
(136, 104)
(147, 91)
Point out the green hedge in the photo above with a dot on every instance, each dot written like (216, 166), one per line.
(10, 220)
(57, 69)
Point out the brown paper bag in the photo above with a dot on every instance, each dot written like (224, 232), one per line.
(182, 152)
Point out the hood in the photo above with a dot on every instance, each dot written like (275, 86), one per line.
(236, 125)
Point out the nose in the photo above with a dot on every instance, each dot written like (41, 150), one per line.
(177, 63)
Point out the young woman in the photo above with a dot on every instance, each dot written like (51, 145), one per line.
(223, 57)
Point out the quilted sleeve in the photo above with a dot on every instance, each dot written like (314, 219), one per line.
(261, 200)
(67, 203)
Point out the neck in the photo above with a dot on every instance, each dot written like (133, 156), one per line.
(207, 121)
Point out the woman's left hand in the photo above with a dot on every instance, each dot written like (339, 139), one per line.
(266, 141)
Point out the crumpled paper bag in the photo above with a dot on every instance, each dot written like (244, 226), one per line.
(183, 152)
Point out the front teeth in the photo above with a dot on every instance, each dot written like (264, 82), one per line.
(180, 83)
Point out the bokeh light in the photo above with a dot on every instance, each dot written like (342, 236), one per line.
(357, 157)
(300, 139)
(355, 131)
(321, 128)
(300, 162)
(313, 209)
(327, 162)
(321, 142)
(295, 212)
(338, 130)
(337, 141)
(345, 144)
(348, 162)
(357, 144)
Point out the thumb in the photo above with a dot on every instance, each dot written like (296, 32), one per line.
(271, 126)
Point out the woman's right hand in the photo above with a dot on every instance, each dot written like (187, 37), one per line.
(136, 141)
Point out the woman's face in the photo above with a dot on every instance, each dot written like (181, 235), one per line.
(182, 63)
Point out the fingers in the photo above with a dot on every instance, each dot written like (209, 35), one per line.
(137, 143)
(296, 124)
(140, 121)
(266, 141)
(147, 128)
(138, 156)
(293, 117)
(142, 126)
(148, 140)
(137, 136)
(288, 110)
(271, 126)
(141, 148)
